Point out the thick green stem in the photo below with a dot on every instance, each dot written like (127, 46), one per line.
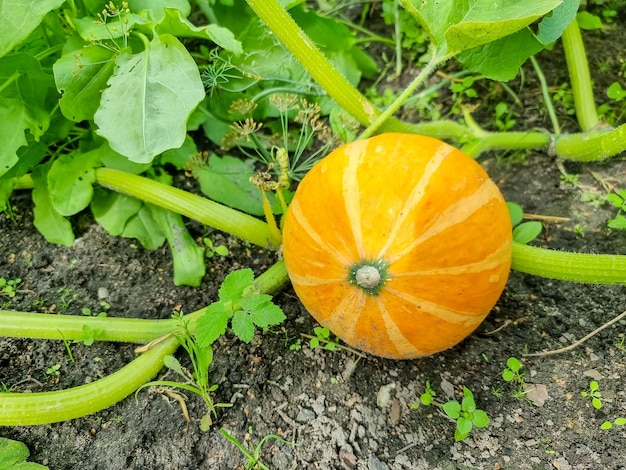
(507, 141)
(580, 77)
(27, 409)
(195, 207)
(576, 267)
(319, 67)
(591, 146)
(129, 330)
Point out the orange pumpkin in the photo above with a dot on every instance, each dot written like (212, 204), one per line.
(399, 244)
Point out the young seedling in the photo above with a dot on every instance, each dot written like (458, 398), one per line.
(618, 199)
(210, 250)
(324, 338)
(426, 398)
(197, 381)
(621, 421)
(593, 393)
(253, 458)
(466, 415)
(8, 287)
(54, 370)
(511, 373)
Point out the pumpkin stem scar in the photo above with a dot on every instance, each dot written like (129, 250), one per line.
(370, 276)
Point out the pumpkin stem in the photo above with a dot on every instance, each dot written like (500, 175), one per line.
(367, 277)
(370, 276)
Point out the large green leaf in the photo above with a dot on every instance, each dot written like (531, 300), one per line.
(19, 18)
(13, 456)
(22, 105)
(81, 75)
(457, 25)
(70, 181)
(112, 210)
(501, 59)
(164, 86)
(53, 226)
(175, 23)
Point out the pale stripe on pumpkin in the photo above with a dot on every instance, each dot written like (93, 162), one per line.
(311, 281)
(351, 192)
(300, 218)
(417, 193)
(403, 345)
(466, 318)
(457, 213)
(493, 260)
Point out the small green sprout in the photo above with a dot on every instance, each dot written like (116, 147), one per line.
(54, 370)
(253, 458)
(523, 232)
(617, 422)
(211, 250)
(8, 287)
(323, 336)
(466, 415)
(511, 372)
(594, 393)
(618, 199)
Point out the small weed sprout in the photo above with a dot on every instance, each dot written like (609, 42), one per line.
(253, 458)
(8, 287)
(465, 414)
(210, 249)
(196, 381)
(511, 373)
(54, 370)
(618, 199)
(593, 392)
(621, 421)
(323, 338)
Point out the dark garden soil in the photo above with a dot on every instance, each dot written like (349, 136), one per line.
(330, 404)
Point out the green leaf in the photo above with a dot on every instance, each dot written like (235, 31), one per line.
(243, 326)
(112, 210)
(144, 228)
(172, 363)
(53, 226)
(81, 75)
(615, 200)
(227, 180)
(514, 364)
(426, 398)
(452, 409)
(464, 425)
(552, 26)
(620, 421)
(22, 105)
(163, 84)
(618, 223)
(516, 213)
(527, 231)
(588, 21)
(19, 18)
(13, 455)
(468, 404)
(188, 257)
(596, 402)
(180, 156)
(615, 91)
(480, 419)
(175, 23)
(262, 310)
(454, 25)
(70, 181)
(212, 324)
(234, 285)
(501, 59)
(508, 375)
(606, 425)
(157, 7)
